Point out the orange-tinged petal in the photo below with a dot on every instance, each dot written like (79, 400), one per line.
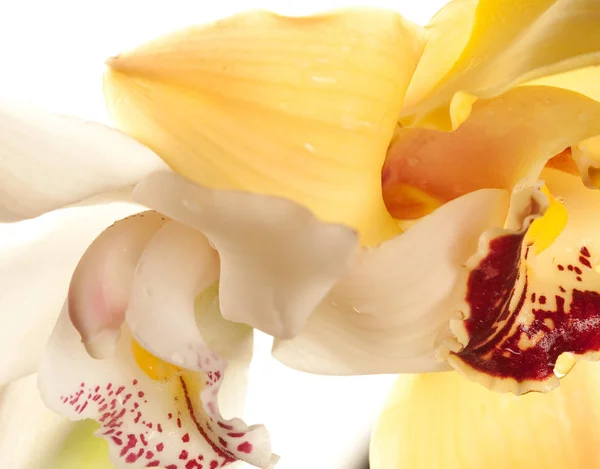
(505, 141)
(486, 47)
(302, 108)
(442, 421)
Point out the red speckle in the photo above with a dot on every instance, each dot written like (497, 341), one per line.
(533, 297)
(584, 251)
(159, 428)
(143, 439)
(131, 458)
(578, 279)
(236, 435)
(562, 289)
(193, 465)
(82, 385)
(245, 447)
(117, 441)
(578, 271)
(214, 464)
(222, 442)
(131, 443)
(141, 394)
(135, 382)
(183, 455)
(153, 464)
(560, 267)
(170, 416)
(160, 447)
(585, 261)
(178, 422)
(185, 438)
(149, 454)
(225, 426)
(137, 417)
(108, 386)
(542, 300)
(171, 466)
(120, 390)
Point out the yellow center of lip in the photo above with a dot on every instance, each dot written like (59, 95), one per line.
(151, 365)
(545, 230)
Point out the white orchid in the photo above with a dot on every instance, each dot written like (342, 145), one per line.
(378, 197)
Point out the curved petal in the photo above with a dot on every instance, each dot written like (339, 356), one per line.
(277, 260)
(587, 156)
(101, 284)
(38, 258)
(302, 108)
(532, 292)
(441, 420)
(30, 434)
(486, 47)
(150, 412)
(505, 141)
(176, 265)
(386, 315)
(51, 161)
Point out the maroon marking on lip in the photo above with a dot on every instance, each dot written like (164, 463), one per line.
(492, 348)
(585, 252)
(220, 451)
(585, 261)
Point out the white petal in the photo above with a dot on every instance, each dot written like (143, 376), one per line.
(101, 284)
(277, 260)
(388, 313)
(147, 421)
(177, 264)
(30, 434)
(37, 260)
(51, 161)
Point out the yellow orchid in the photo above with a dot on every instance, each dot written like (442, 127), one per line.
(378, 197)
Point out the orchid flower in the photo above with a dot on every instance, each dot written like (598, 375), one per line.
(379, 197)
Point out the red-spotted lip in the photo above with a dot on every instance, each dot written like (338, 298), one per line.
(512, 335)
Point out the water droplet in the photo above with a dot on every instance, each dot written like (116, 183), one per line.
(309, 147)
(323, 79)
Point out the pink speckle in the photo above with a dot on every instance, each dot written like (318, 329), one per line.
(160, 447)
(185, 438)
(183, 455)
(245, 447)
(153, 464)
(149, 454)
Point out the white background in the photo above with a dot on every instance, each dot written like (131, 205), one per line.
(52, 54)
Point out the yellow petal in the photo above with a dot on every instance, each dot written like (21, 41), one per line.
(442, 421)
(302, 108)
(486, 47)
(504, 141)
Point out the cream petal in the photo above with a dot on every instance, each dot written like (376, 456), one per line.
(387, 314)
(150, 416)
(51, 161)
(38, 259)
(30, 434)
(532, 292)
(101, 284)
(485, 47)
(176, 265)
(277, 260)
